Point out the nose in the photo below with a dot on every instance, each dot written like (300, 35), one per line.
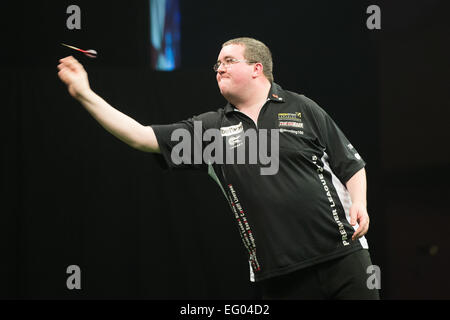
(221, 69)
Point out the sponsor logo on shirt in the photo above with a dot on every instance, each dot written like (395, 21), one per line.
(292, 121)
(262, 145)
(277, 97)
(334, 212)
(291, 131)
(244, 227)
(228, 131)
(235, 141)
(297, 117)
(357, 156)
(291, 124)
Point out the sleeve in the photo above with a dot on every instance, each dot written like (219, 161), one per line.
(181, 143)
(344, 159)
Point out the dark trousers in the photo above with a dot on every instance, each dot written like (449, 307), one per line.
(344, 278)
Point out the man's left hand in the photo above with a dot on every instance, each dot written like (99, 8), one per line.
(358, 214)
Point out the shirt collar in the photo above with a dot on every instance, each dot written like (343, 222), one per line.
(276, 94)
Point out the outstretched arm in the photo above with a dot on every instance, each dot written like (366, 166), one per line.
(140, 137)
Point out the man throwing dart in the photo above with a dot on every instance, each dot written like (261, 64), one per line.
(303, 222)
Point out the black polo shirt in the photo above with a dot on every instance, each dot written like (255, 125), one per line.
(298, 216)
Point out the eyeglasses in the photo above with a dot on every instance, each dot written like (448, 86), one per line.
(228, 62)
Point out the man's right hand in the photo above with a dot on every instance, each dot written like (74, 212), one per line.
(72, 73)
(140, 137)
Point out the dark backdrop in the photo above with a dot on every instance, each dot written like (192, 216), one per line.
(74, 195)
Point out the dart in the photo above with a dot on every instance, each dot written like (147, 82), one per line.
(90, 53)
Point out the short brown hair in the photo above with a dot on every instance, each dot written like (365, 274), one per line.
(255, 51)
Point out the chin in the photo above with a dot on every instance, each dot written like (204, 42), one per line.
(223, 89)
(225, 92)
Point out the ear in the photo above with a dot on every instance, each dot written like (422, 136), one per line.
(257, 69)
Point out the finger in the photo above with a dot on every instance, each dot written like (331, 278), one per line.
(66, 59)
(62, 75)
(63, 68)
(63, 64)
(362, 229)
(366, 228)
(356, 235)
(72, 63)
(359, 233)
(76, 66)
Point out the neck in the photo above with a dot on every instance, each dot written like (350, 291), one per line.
(254, 98)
